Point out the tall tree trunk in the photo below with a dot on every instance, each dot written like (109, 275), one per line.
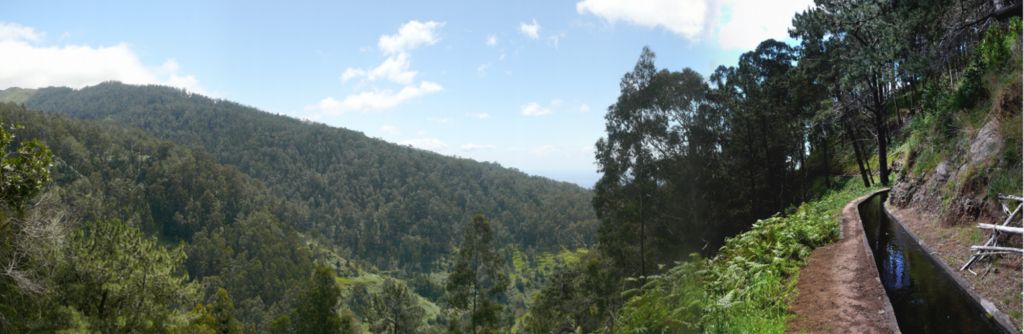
(882, 130)
(858, 154)
(827, 158)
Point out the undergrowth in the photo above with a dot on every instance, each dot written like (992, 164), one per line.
(747, 287)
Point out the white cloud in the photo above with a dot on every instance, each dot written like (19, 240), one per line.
(375, 99)
(477, 147)
(531, 30)
(584, 108)
(751, 22)
(734, 24)
(479, 115)
(33, 65)
(10, 31)
(492, 40)
(394, 68)
(534, 109)
(682, 17)
(390, 129)
(426, 143)
(352, 73)
(411, 35)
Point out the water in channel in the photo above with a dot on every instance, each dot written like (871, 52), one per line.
(924, 297)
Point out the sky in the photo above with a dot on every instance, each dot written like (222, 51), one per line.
(522, 83)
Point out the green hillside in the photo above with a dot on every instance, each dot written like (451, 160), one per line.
(395, 206)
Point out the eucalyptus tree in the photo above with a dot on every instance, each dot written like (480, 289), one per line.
(476, 284)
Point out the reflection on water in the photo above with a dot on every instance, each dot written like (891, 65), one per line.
(924, 297)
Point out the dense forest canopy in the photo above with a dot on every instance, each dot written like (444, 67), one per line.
(390, 205)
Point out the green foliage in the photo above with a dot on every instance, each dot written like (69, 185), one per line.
(476, 284)
(382, 203)
(26, 169)
(237, 233)
(122, 281)
(969, 90)
(997, 44)
(578, 296)
(748, 285)
(223, 312)
(395, 310)
(317, 311)
(28, 241)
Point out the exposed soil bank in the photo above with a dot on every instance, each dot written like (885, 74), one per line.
(839, 290)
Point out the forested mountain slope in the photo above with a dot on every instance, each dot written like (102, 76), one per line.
(395, 206)
(236, 233)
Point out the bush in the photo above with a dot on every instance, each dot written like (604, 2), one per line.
(997, 46)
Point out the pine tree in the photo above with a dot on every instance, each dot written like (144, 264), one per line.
(396, 309)
(317, 309)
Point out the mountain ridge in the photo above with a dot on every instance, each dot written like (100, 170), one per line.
(360, 191)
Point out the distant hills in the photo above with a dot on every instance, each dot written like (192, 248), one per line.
(390, 205)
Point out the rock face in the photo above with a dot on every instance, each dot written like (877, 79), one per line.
(957, 188)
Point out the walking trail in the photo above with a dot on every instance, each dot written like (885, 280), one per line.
(839, 290)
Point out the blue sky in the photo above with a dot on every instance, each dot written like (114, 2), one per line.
(522, 83)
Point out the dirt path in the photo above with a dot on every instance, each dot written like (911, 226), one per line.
(839, 290)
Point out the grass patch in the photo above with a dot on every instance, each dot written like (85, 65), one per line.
(747, 287)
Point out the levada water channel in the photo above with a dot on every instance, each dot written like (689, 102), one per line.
(923, 295)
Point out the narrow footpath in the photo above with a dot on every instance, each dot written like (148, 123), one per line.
(839, 290)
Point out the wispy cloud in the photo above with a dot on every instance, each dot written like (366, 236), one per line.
(395, 68)
(531, 30)
(492, 40)
(479, 115)
(533, 109)
(747, 22)
(32, 63)
(584, 108)
(374, 99)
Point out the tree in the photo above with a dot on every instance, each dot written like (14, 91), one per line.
(121, 280)
(626, 188)
(317, 311)
(223, 311)
(395, 309)
(27, 241)
(477, 282)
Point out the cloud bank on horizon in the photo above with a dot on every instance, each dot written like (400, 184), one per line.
(31, 62)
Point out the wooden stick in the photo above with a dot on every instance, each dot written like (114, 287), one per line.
(1001, 228)
(997, 248)
(1011, 197)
